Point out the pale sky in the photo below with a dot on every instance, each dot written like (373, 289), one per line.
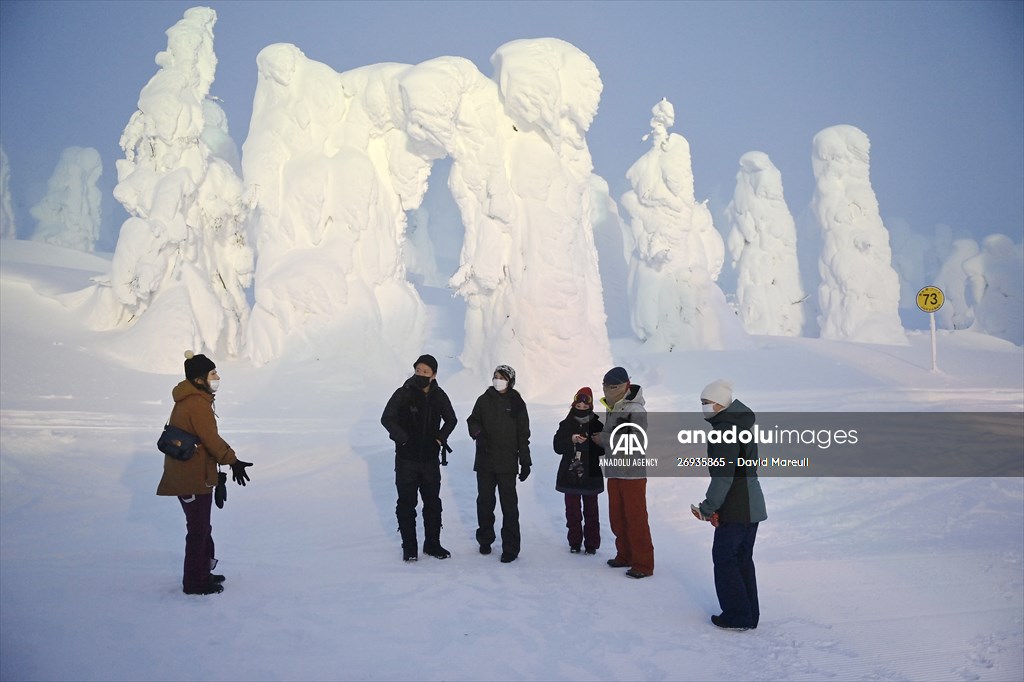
(937, 86)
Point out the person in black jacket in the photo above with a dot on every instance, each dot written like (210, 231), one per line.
(579, 473)
(413, 419)
(500, 426)
(734, 505)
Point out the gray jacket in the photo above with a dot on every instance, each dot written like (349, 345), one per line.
(629, 409)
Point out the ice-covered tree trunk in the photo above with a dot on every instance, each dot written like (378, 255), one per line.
(762, 243)
(859, 293)
(69, 214)
(996, 285)
(182, 261)
(678, 253)
(521, 176)
(8, 228)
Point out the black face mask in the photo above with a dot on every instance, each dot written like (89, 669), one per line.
(420, 381)
(578, 413)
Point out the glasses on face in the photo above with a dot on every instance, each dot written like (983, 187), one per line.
(581, 398)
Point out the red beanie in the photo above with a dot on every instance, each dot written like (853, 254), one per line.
(583, 392)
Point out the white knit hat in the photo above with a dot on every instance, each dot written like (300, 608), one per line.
(718, 391)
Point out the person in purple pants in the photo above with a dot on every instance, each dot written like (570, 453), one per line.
(579, 473)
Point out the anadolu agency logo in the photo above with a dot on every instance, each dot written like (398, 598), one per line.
(628, 440)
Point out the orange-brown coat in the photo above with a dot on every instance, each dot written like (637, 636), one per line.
(193, 412)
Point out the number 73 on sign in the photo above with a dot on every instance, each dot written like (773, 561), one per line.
(930, 299)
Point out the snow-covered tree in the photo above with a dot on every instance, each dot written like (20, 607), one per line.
(521, 176)
(341, 161)
(762, 243)
(678, 253)
(996, 285)
(334, 175)
(69, 214)
(182, 260)
(957, 312)
(8, 228)
(860, 291)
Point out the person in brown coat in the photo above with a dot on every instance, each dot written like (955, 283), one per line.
(194, 480)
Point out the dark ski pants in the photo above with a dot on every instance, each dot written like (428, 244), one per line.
(418, 479)
(627, 514)
(199, 549)
(486, 482)
(735, 581)
(580, 509)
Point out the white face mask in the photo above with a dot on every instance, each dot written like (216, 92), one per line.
(709, 410)
(499, 384)
(214, 385)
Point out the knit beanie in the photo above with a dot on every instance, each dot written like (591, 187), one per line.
(718, 391)
(616, 376)
(427, 360)
(197, 366)
(508, 373)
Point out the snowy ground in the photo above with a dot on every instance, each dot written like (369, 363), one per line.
(859, 578)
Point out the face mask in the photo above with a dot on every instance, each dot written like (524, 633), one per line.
(214, 385)
(708, 410)
(614, 395)
(420, 381)
(499, 384)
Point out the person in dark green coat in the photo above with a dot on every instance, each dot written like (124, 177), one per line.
(735, 505)
(500, 425)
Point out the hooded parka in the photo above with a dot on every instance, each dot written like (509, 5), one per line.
(734, 492)
(193, 412)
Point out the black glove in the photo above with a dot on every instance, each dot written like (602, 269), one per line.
(524, 472)
(238, 474)
(220, 493)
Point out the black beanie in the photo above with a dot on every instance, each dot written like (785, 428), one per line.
(197, 366)
(427, 360)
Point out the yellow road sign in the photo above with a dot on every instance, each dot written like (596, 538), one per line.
(930, 299)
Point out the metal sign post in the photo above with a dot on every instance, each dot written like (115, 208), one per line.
(930, 299)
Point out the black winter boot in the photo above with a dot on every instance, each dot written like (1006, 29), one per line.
(209, 588)
(435, 550)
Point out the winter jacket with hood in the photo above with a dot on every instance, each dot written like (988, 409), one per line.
(500, 425)
(734, 492)
(579, 472)
(413, 420)
(630, 408)
(193, 412)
